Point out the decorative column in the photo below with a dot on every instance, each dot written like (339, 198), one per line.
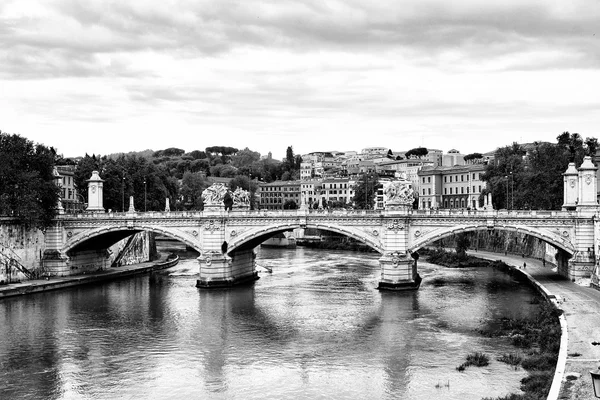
(95, 193)
(167, 206)
(570, 187)
(131, 206)
(58, 182)
(587, 186)
(398, 268)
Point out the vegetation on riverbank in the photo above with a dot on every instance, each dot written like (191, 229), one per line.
(476, 359)
(539, 339)
(336, 245)
(536, 337)
(450, 259)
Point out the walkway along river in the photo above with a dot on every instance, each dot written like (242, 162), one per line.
(313, 328)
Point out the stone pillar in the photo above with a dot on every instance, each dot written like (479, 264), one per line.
(398, 268)
(95, 193)
(562, 263)
(587, 186)
(55, 263)
(570, 187)
(217, 269)
(131, 206)
(167, 206)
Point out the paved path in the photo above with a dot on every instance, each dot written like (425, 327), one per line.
(42, 285)
(581, 306)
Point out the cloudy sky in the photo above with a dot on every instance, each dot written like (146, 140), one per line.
(109, 76)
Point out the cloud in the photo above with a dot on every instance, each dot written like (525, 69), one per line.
(65, 37)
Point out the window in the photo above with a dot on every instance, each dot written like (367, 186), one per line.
(428, 179)
(423, 179)
(451, 179)
(473, 176)
(480, 188)
(423, 191)
(428, 190)
(473, 189)
(462, 178)
(450, 190)
(445, 191)
(462, 190)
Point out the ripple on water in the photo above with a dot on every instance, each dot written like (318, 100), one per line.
(313, 328)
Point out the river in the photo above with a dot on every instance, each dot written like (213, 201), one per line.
(313, 328)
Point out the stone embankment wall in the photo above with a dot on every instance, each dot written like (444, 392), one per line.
(27, 246)
(506, 241)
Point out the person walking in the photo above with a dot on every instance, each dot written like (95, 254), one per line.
(524, 265)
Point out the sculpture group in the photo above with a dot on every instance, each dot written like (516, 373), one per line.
(215, 194)
(399, 193)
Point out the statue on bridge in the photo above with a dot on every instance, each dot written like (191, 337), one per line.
(241, 197)
(214, 194)
(399, 193)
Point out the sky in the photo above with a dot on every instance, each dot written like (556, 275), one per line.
(102, 76)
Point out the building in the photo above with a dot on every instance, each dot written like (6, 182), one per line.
(71, 200)
(274, 195)
(451, 187)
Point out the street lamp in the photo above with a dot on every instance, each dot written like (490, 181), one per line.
(596, 383)
(145, 195)
(512, 191)
(123, 194)
(506, 177)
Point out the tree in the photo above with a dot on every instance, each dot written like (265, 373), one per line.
(290, 205)
(27, 188)
(418, 152)
(365, 191)
(192, 186)
(245, 158)
(462, 245)
(473, 156)
(591, 144)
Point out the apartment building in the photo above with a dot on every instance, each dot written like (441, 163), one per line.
(458, 186)
(274, 195)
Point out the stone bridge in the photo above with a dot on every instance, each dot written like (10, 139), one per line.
(226, 239)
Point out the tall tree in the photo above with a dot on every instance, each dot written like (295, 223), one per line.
(365, 191)
(27, 188)
(418, 152)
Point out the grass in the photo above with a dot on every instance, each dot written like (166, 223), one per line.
(476, 359)
(540, 335)
(513, 359)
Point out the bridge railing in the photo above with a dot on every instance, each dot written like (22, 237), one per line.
(353, 213)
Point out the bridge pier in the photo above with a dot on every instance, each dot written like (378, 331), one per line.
(54, 262)
(398, 272)
(218, 270)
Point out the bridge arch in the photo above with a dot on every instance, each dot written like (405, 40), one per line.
(80, 238)
(549, 237)
(253, 237)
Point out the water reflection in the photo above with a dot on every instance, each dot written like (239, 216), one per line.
(313, 328)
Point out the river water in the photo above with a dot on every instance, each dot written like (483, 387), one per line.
(314, 328)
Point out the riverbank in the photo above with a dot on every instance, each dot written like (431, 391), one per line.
(537, 340)
(54, 283)
(579, 324)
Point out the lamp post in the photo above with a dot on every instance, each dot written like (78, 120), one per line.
(506, 177)
(145, 195)
(512, 191)
(596, 383)
(123, 194)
